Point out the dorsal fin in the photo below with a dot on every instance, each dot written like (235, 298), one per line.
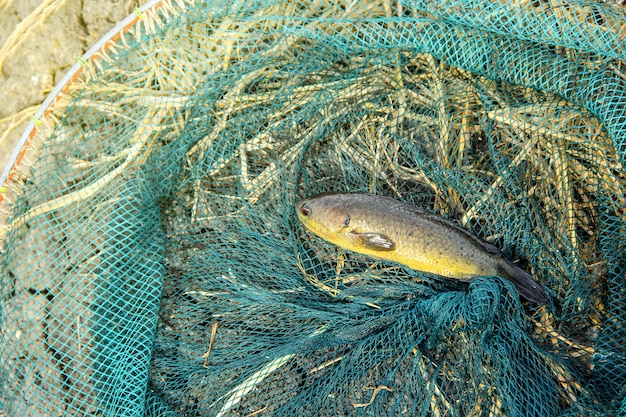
(413, 209)
(483, 243)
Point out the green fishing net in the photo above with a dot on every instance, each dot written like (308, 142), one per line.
(154, 265)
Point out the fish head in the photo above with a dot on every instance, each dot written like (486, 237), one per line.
(325, 215)
(340, 219)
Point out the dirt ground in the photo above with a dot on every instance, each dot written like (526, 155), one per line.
(39, 41)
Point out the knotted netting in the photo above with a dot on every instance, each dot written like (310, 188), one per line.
(153, 263)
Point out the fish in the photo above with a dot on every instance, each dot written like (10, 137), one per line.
(393, 230)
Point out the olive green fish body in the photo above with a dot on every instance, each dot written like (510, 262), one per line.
(393, 230)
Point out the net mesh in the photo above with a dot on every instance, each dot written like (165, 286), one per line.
(154, 264)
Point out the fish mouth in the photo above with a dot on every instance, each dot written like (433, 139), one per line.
(303, 209)
(302, 212)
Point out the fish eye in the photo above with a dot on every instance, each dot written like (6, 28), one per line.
(346, 223)
(305, 209)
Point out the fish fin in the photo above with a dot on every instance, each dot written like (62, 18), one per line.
(494, 250)
(526, 285)
(375, 241)
(418, 211)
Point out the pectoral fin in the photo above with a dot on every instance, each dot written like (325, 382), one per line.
(375, 241)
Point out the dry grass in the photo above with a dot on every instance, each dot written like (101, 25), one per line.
(561, 150)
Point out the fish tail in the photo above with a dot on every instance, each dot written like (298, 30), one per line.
(526, 285)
